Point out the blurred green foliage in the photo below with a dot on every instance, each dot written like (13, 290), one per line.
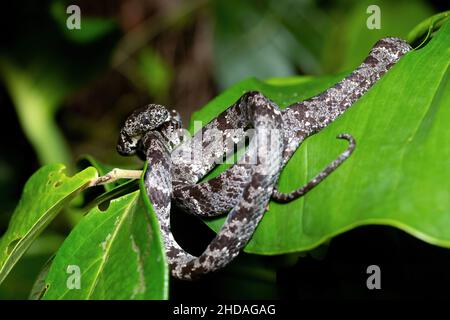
(155, 72)
(41, 70)
(282, 38)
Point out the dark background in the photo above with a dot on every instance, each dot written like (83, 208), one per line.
(181, 54)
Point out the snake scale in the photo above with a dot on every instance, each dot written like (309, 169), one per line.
(177, 164)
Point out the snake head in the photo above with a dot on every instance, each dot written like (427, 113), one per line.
(138, 123)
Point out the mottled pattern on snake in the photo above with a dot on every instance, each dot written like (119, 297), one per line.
(176, 165)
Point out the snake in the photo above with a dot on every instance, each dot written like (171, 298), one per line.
(178, 164)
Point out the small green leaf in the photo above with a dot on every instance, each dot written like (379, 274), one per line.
(45, 193)
(119, 254)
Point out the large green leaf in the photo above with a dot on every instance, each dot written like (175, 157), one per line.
(119, 254)
(399, 174)
(45, 193)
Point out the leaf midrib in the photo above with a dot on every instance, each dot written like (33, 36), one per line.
(105, 255)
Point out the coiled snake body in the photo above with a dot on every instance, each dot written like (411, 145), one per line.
(176, 165)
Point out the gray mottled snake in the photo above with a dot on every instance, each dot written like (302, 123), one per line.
(176, 163)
